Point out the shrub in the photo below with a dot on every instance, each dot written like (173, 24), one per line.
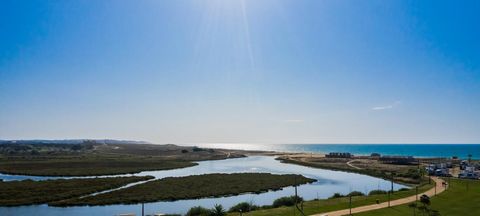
(287, 201)
(377, 192)
(356, 193)
(336, 195)
(184, 151)
(403, 189)
(218, 210)
(198, 211)
(266, 207)
(244, 207)
(425, 199)
(412, 173)
(197, 149)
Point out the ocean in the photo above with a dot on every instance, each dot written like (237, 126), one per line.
(418, 150)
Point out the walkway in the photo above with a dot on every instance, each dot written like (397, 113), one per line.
(405, 200)
(351, 165)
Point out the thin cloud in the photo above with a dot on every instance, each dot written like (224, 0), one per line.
(294, 120)
(390, 106)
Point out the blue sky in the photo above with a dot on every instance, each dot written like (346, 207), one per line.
(241, 71)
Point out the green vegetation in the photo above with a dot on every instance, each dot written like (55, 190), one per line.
(57, 159)
(28, 148)
(86, 165)
(356, 193)
(190, 187)
(336, 195)
(353, 193)
(14, 193)
(376, 192)
(461, 198)
(332, 204)
(401, 173)
(198, 211)
(243, 207)
(287, 201)
(217, 210)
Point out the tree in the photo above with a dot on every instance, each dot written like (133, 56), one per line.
(243, 207)
(218, 210)
(425, 200)
(198, 211)
(287, 201)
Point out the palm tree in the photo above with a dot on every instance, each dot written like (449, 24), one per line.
(218, 210)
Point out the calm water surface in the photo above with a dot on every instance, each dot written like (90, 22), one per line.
(418, 150)
(329, 182)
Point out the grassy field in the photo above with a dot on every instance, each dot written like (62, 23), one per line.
(28, 192)
(106, 159)
(326, 205)
(461, 198)
(190, 187)
(407, 174)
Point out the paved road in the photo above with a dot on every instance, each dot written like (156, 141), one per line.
(405, 200)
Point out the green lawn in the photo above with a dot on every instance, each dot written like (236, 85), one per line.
(326, 205)
(457, 200)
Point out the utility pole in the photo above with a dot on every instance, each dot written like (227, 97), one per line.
(366, 193)
(296, 199)
(448, 185)
(143, 212)
(391, 189)
(295, 196)
(389, 199)
(350, 203)
(416, 194)
(391, 181)
(435, 185)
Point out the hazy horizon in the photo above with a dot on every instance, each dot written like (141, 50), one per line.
(241, 71)
(230, 143)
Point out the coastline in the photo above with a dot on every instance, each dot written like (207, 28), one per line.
(442, 150)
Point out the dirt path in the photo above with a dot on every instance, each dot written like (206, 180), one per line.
(351, 165)
(405, 200)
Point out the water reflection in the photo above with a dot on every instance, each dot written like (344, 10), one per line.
(329, 182)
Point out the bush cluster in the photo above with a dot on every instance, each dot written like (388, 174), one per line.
(217, 210)
(287, 201)
(243, 207)
(377, 192)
